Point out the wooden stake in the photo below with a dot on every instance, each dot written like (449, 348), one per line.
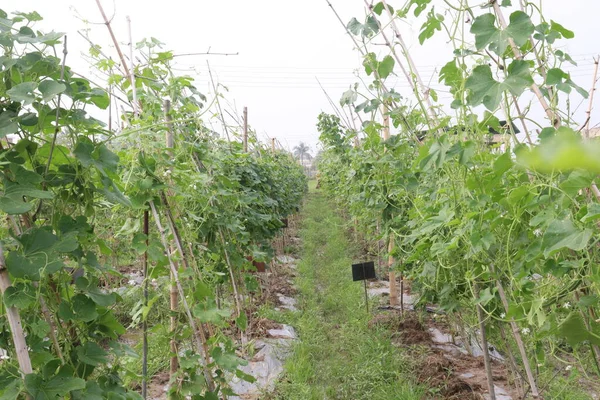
(199, 340)
(552, 116)
(485, 347)
(14, 321)
(245, 138)
(145, 323)
(517, 335)
(392, 274)
(136, 108)
(114, 39)
(273, 145)
(173, 292)
(391, 260)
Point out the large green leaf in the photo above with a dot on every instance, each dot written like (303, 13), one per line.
(23, 92)
(92, 354)
(42, 389)
(563, 234)
(50, 88)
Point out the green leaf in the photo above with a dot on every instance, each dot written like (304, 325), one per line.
(7, 123)
(20, 295)
(433, 23)
(564, 234)
(567, 34)
(41, 389)
(14, 207)
(503, 163)
(555, 76)
(593, 213)
(227, 361)
(92, 354)
(575, 331)
(483, 88)
(520, 27)
(209, 312)
(385, 67)
(485, 297)
(23, 92)
(576, 181)
(242, 321)
(564, 151)
(519, 77)
(50, 88)
(22, 267)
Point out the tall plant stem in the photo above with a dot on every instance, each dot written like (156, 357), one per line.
(200, 339)
(521, 346)
(14, 321)
(485, 347)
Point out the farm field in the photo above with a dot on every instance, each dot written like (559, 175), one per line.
(158, 243)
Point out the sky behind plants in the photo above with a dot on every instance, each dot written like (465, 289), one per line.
(285, 49)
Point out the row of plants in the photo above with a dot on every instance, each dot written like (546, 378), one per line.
(510, 226)
(84, 202)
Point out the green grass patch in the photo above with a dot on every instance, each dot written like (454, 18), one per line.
(338, 356)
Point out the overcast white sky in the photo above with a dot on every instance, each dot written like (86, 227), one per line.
(283, 47)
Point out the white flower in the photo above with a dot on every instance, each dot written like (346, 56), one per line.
(194, 186)
(567, 305)
(503, 315)
(525, 331)
(132, 282)
(537, 232)
(154, 280)
(4, 357)
(568, 367)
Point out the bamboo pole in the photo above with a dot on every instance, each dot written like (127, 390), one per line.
(14, 321)
(173, 293)
(552, 116)
(520, 345)
(485, 347)
(136, 106)
(145, 322)
(391, 259)
(245, 138)
(199, 341)
(114, 39)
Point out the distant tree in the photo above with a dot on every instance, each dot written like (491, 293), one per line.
(302, 151)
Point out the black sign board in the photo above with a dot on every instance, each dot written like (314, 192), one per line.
(363, 271)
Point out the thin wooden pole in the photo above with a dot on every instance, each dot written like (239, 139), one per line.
(136, 106)
(245, 137)
(485, 347)
(391, 259)
(14, 321)
(145, 323)
(517, 335)
(173, 293)
(114, 39)
(273, 145)
(200, 346)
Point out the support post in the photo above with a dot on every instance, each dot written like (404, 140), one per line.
(245, 137)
